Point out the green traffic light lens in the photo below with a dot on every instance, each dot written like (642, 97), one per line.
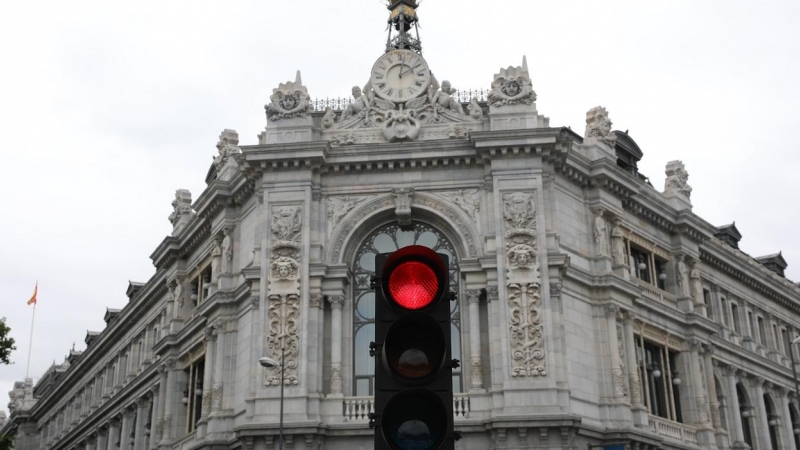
(415, 419)
(415, 346)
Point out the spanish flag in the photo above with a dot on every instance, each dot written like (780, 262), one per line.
(32, 301)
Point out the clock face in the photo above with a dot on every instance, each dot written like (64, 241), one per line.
(400, 75)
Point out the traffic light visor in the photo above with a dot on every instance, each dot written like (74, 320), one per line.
(415, 277)
(414, 419)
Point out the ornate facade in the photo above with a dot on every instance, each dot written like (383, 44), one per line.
(593, 309)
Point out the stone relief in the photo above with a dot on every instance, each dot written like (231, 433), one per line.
(349, 138)
(456, 131)
(618, 373)
(289, 100)
(338, 207)
(469, 200)
(677, 180)
(512, 86)
(401, 125)
(524, 287)
(227, 146)
(598, 126)
(475, 110)
(283, 311)
(329, 119)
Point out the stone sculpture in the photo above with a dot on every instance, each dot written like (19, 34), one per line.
(598, 126)
(442, 99)
(512, 86)
(618, 251)
(683, 278)
(227, 252)
(227, 146)
(289, 100)
(361, 104)
(677, 180)
(600, 233)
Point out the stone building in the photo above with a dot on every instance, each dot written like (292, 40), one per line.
(594, 309)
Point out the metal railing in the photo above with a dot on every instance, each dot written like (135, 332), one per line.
(357, 409)
(340, 103)
(672, 430)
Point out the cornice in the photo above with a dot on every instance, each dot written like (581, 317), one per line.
(173, 248)
(750, 272)
(129, 317)
(551, 144)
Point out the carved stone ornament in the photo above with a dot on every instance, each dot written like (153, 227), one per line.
(523, 280)
(227, 251)
(338, 207)
(283, 314)
(684, 284)
(403, 205)
(677, 180)
(618, 252)
(227, 146)
(347, 138)
(512, 86)
(619, 372)
(469, 200)
(600, 233)
(475, 110)
(598, 126)
(329, 119)
(457, 131)
(181, 206)
(289, 100)
(697, 284)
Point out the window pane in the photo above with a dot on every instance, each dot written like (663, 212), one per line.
(428, 239)
(364, 363)
(367, 262)
(384, 243)
(366, 307)
(362, 387)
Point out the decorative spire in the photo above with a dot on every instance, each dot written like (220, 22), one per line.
(403, 16)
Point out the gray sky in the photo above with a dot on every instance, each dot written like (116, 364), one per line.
(107, 107)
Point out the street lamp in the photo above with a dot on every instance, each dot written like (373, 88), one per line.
(270, 363)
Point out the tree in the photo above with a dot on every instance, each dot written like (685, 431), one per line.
(6, 342)
(6, 443)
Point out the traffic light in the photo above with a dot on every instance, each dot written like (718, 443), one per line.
(413, 362)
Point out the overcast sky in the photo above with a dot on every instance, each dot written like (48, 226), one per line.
(108, 107)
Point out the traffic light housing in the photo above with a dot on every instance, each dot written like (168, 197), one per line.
(412, 351)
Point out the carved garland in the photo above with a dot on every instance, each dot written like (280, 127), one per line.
(523, 280)
(283, 313)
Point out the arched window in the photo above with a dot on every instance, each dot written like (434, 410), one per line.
(772, 422)
(795, 418)
(388, 239)
(723, 404)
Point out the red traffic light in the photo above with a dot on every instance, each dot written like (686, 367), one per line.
(413, 285)
(412, 277)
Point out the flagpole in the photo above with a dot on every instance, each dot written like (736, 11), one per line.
(30, 341)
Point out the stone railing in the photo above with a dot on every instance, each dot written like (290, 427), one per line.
(653, 292)
(357, 409)
(672, 430)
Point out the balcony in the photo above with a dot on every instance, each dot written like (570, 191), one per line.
(654, 293)
(672, 430)
(357, 409)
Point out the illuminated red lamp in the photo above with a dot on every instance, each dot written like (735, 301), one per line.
(414, 275)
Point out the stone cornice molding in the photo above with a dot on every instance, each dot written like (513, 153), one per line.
(173, 248)
(406, 155)
(258, 159)
(752, 273)
(551, 144)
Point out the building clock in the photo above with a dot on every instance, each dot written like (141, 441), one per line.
(400, 75)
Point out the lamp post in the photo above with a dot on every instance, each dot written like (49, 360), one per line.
(270, 363)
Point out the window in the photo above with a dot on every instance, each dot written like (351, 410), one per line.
(762, 331)
(707, 302)
(657, 369)
(751, 324)
(389, 239)
(193, 394)
(737, 326)
(724, 310)
(640, 263)
(787, 344)
(200, 285)
(776, 336)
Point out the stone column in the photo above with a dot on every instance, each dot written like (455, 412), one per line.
(102, 439)
(337, 303)
(91, 442)
(208, 372)
(734, 413)
(113, 433)
(219, 366)
(473, 299)
(633, 365)
(786, 419)
(152, 441)
(618, 389)
(158, 422)
(708, 363)
(125, 430)
(762, 433)
(142, 405)
(169, 402)
(700, 395)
